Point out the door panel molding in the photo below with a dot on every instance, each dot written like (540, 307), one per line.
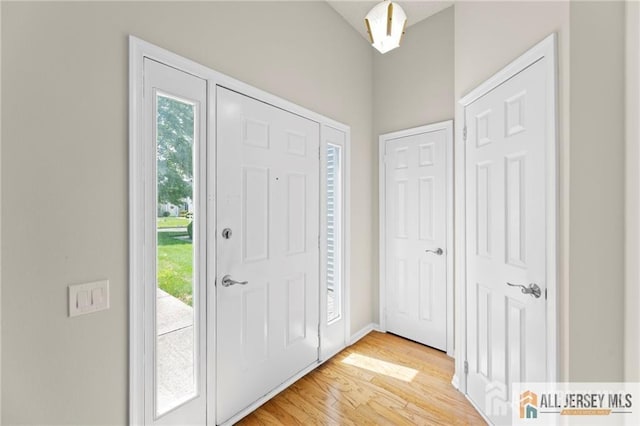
(546, 49)
(425, 154)
(276, 314)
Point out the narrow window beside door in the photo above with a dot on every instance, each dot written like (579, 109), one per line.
(175, 373)
(334, 232)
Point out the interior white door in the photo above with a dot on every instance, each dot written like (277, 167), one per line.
(506, 239)
(416, 236)
(175, 111)
(268, 200)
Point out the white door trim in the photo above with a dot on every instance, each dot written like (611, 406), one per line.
(325, 354)
(544, 49)
(138, 51)
(383, 139)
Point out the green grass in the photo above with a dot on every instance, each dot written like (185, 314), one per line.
(175, 265)
(173, 222)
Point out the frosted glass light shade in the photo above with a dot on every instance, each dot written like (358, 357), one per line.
(385, 24)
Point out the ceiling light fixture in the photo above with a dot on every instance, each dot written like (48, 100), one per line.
(385, 25)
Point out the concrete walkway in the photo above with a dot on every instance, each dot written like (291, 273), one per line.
(182, 229)
(175, 351)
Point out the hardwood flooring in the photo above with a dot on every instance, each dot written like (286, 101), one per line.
(383, 380)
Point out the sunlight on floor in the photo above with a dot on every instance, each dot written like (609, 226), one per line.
(382, 367)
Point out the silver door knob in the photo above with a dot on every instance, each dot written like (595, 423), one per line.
(437, 251)
(228, 282)
(533, 289)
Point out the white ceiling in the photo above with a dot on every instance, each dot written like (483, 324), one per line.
(354, 11)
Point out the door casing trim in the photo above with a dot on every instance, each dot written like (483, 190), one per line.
(138, 51)
(544, 49)
(382, 143)
(323, 352)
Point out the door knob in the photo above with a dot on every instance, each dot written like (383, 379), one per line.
(228, 282)
(437, 251)
(533, 289)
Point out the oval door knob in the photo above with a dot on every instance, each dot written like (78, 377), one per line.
(437, 251)
(533, 289)
(228, 282)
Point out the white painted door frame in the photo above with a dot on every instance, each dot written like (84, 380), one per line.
(545, 49)
(382, 143)
(336, 335)
(138, 51)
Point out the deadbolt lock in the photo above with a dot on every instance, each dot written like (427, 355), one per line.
(226, 233)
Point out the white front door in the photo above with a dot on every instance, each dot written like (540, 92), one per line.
(416, 236)
(506, 211)
(267, 248)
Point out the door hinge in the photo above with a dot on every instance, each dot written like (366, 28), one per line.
(466, 367)
(464, 133)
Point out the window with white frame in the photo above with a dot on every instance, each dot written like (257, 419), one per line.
(334, 212)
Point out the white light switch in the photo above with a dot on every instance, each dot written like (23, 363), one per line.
(88, 298)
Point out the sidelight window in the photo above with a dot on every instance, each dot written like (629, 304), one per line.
(334, 241)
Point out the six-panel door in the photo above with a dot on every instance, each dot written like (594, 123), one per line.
(416, 236)
(268, 198)
(506, 239)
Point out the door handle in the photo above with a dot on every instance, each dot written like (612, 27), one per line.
(533, 289)
(437, 251)
(228, 282)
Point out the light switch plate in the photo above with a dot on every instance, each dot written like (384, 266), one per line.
(88, 298)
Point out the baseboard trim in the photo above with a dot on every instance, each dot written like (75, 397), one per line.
(455, 381)
(363, 332)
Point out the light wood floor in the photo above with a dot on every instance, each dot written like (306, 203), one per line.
(383, 380)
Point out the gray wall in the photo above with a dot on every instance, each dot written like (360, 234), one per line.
(412, 86)
(64, 171)
(632, 190)
(597, 191)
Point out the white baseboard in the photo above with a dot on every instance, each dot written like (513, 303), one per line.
(363, 332)
(455, 381)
